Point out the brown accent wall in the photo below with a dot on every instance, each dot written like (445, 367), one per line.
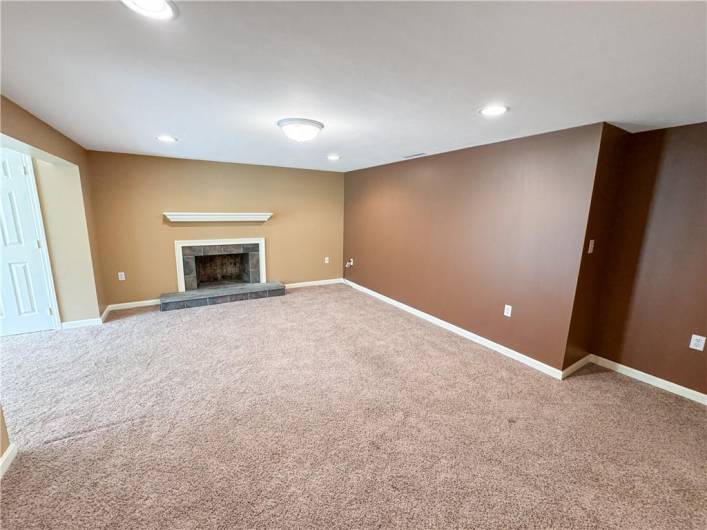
(131, 192)
(590, 283)
(460, 234)
(655, 283)
(23, 126)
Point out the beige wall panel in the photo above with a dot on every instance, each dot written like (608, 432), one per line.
(61, 200)
(131, 192)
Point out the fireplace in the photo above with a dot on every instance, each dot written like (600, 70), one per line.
(222, 269)
(218, 263)
(217, 271)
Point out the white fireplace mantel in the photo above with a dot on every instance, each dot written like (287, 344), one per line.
(211, 217)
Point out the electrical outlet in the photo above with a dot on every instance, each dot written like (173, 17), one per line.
(326, 260)
(697, 342)
(121, 276)
(507, 309)
(590, 250)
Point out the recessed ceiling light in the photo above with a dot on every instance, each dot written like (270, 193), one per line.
(333, 157)
(300, 129)
(491, 111)
(155, 9)
(167, 138)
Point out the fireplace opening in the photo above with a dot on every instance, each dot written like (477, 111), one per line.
(217, 265)
(222, 269)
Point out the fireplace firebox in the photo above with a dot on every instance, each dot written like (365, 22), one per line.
(220, 265)
(222, 269)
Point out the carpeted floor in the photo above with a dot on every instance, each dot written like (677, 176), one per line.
(327, 408)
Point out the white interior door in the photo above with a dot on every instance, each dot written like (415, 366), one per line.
(25, 280)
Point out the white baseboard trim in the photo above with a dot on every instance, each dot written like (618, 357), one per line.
(128, 305)
(7, 457)
(314, 283)
(680, 390)
(529, 361)
(156, 301)
(72, 324)
(549, 370)
(576, 366)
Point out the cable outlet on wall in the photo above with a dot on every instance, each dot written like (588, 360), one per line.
(507, 310)
(121, 276)
(697, 342)
(326, 260)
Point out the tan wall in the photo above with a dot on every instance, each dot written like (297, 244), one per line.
(4, 438)
(461, 234)
(23, 126)
(131, 192)
(61, 200)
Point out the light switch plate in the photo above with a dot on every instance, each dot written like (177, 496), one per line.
(590, 250)
(121, 276)
(326, 260)
(697, 342)
(507, 310)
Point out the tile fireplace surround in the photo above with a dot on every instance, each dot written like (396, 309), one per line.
(186, 253)
(246, 274)
(191, 255)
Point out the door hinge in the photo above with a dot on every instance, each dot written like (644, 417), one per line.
(50, 311)
(24, 168)
(39, 243)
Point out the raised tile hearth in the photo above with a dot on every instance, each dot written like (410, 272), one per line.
(220, 295)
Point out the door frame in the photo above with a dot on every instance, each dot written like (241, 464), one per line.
(11, 143)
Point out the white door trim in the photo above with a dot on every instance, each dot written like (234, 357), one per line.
(47, 264)
(205, 242)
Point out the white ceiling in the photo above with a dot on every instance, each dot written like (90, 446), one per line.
(387, 79)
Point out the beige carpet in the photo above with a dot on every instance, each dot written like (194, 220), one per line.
(327, 408)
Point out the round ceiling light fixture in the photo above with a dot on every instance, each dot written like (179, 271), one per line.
(493, 110)
(155, 9)
(333, 157)
(167, 138)
(300, 129)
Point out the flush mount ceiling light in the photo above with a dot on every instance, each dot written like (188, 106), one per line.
(155, 9)
(167, 138)
(493, 110)
(333, 157)
(300, 129)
